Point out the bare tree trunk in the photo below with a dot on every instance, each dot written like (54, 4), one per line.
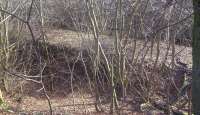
(4, 43)
(196, 59)
(42, 12)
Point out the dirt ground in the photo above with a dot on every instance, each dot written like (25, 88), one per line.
(77, 104)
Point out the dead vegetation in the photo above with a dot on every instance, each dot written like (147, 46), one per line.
(68, 72)
(86, 61)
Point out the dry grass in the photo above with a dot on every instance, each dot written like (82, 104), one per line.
(80, 40)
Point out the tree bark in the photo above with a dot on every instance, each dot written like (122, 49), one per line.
(196, 59)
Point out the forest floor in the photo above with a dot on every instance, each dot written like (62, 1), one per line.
(32, 102)
(82, 40)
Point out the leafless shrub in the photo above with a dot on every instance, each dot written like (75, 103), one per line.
(122, 68)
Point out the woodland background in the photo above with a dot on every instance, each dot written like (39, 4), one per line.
(96, 56)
